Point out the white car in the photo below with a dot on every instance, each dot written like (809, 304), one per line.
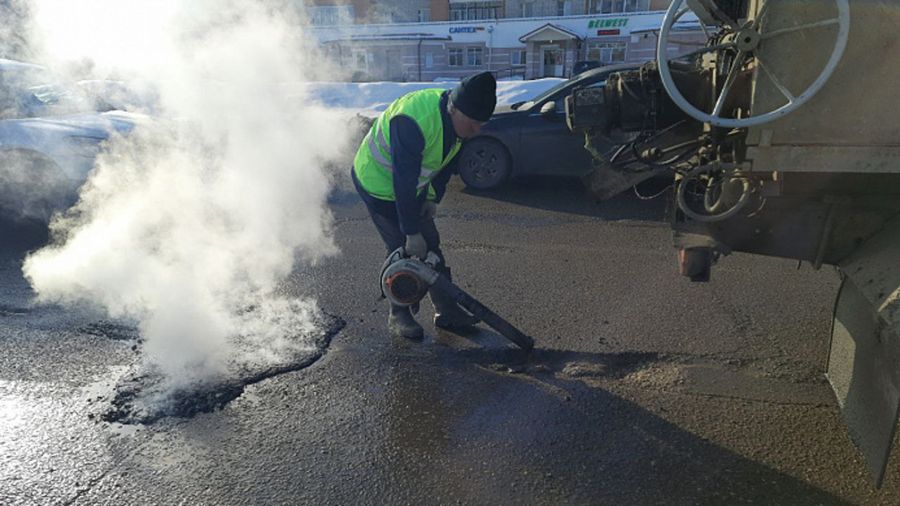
(50, 136)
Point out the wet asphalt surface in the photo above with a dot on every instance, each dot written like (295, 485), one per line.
(643, 389)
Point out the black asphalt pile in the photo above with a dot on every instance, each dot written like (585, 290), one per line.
(6, 310)
(111, 330)
(141, 397)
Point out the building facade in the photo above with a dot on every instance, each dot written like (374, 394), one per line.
(349, 12)
(341, 12)
(546, 8)
(510, 47)
(13, 42)
(401, 11)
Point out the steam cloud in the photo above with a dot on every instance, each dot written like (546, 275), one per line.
(189, 224)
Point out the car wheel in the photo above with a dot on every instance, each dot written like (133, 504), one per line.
(484, 164)
(31, 187)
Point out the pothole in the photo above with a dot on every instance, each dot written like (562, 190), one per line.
(143, 398)
(570, 364)
(476, 247)
(657, 375)
(609, 365)
(695, 375)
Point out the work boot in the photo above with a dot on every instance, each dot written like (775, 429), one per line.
(447, 313)
(402, 324)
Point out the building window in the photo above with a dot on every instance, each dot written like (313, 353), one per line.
(360, 60)
(347, 59)
(455, 57)
(470, 11)
(424, 15)
(330, 15)
(429, 60)
(637, 5)
(606, 52)
(619, 6)
(473, 56)
(527, 9)
(564, 7)
(518, 57)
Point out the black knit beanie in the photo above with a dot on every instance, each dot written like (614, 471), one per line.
(476, 96)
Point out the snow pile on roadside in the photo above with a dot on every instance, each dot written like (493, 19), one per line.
(372, 98)
(368, 99)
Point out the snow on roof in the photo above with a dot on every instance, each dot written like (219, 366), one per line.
(549, 27)
(370, 99)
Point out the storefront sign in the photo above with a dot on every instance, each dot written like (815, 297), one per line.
(607, 33)
(607, 23)
(466, 29)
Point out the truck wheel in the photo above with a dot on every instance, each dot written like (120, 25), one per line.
(484, 164)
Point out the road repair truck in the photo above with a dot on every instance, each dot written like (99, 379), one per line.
(783, 134)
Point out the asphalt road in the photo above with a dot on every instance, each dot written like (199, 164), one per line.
(643, 389)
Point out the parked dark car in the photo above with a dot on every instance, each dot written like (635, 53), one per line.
(531, 138)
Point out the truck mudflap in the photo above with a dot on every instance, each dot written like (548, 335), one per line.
(864, 359)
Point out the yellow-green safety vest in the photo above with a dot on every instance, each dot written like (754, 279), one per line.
(372, 164)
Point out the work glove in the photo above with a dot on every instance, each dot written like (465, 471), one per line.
(415, 246)
(429, 210)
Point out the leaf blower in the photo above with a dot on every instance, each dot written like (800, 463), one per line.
(405, 281)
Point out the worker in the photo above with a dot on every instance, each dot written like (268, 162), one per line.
(401, 171)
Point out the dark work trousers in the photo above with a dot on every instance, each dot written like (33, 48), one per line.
(384, 216)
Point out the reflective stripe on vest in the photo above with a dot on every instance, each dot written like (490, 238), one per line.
(426, 174)
(378, 145)
(376, 153)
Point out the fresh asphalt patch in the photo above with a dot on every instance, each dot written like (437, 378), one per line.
(143, 397)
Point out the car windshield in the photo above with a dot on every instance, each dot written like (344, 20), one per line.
(571, 83)
(543, 96)
(29, 92)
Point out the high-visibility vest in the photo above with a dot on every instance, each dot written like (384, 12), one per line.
(372, 164)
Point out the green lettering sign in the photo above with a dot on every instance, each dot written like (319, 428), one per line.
(607, 23)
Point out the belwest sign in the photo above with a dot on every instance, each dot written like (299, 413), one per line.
(607, 23)
(466, 29)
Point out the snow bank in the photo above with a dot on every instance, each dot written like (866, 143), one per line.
(371, 98)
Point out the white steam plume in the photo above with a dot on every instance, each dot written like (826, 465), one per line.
(189, 224)
(13, 42)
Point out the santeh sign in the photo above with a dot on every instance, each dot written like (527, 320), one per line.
(466, 29)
